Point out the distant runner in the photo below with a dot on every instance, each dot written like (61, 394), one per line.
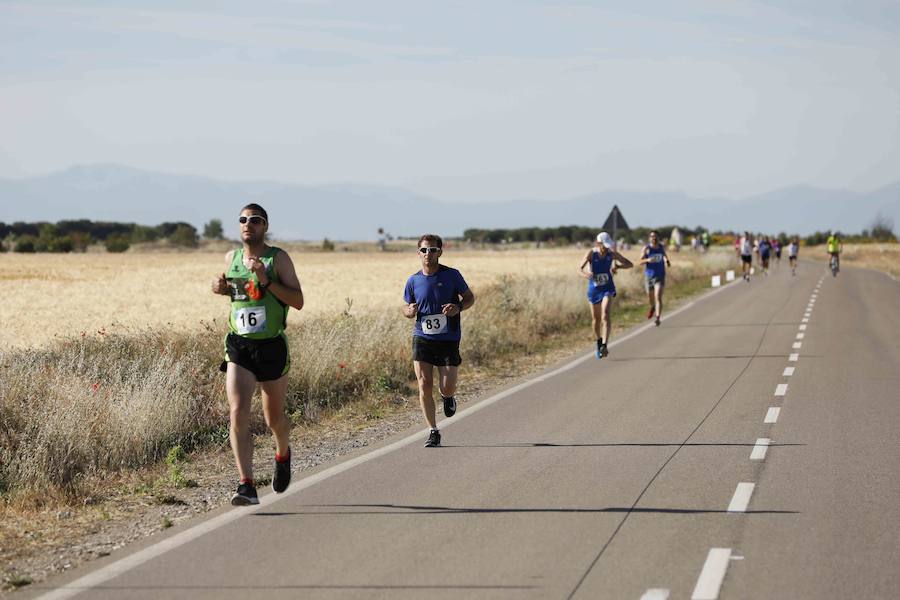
(793, 251)
(745, 249)
(655, 261)
(776, 246)
(765, 249)
(835, 247)
(434, 297)
(262, 284)
(603, 261)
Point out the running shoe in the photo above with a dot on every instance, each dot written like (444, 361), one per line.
(604, 351)
(282, 478)
(449, 405)
(657, 321)
(650, 313)
(434, 439)
(598, 354)
(245, 495)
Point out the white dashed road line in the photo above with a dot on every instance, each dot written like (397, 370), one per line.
(760, 449)
(800, 335)
(788, 372)
(772, 414)
(797, 345)
(794, 357)
(710, 581)
(741, 498)
(656, 594)
(781, 389)
(802, 327)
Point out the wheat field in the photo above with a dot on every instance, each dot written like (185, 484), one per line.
(54, 296)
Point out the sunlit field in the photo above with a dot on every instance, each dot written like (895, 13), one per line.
(62, 295)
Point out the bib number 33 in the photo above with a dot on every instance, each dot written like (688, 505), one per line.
(250, 319)
(434, 324)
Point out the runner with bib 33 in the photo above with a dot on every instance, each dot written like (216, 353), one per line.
(434, 297)
(262, 284)
(603, 261)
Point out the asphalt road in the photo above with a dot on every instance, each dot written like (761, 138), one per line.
(650, 474)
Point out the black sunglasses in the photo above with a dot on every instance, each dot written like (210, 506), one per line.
(429, 250)
(254, 219)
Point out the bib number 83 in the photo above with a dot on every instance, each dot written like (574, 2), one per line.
(434, 324)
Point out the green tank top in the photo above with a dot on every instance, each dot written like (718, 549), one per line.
(255, 314)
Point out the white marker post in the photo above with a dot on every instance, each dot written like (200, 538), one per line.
(716, 280)
(729, 275)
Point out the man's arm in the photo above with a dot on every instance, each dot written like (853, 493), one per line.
(287, 289)
(220, 283)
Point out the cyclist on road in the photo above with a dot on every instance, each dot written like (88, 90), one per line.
(835, 247)
(604, 261)
(655, 261)
(434, 297)
(262, 284)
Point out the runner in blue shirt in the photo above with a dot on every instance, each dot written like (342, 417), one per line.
(604, 261)
(434, 297)
(655, 261)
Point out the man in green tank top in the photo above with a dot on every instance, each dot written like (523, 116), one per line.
(262, 284)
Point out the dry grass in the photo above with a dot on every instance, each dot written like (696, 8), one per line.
(881, 257)
(121, 396)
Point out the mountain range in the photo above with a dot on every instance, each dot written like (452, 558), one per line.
(111, 192)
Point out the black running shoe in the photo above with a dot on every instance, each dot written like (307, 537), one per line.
(449, 406)
(245, 495)
(282, 478)
(604, 351)
(434, 439)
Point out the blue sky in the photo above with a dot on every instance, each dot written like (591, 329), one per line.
(460, 100)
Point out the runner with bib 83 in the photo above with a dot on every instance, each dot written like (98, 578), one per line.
(604, 261)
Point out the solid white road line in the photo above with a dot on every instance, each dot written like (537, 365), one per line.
(797, 345)
(772, 414)
(741, 498)
(788, 372)
(802, 327)
(781, 389)
(114, 569)
(710, 581)
(656, 594)
(760, 448)
(793, 357)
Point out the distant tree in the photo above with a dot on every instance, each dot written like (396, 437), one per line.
(327, 245)
(80, 240)
(25, 243)
(143, 233)
(882, 229)
(117, 243)
(184, 235)
(213, 230)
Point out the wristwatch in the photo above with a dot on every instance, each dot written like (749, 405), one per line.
(264, 286)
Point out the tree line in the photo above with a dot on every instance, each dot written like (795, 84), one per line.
(77, 235)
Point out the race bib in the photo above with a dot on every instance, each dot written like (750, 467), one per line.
(250, 319)
(434, 324)
(655, 258)
(601, 278)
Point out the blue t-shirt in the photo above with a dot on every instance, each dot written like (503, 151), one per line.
(764, 249)
(657, 267)
(431, 293)
(601, 273)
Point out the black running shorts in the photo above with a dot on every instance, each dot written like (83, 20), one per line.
(267, 359)
(440, 354)
(747, 258)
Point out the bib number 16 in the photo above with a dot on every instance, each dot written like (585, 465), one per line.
(250, 319)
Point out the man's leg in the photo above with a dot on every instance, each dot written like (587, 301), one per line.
(447, 381)
(239, 386)
(273, 394)
(658, 291)
(651, 299)
(425, 376)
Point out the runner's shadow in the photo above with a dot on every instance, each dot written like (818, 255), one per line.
(610, 445)
(406, 509)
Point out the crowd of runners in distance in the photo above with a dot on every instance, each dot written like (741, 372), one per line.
(262, 284)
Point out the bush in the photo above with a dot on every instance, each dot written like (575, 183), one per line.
(327, 245)
(883, 229)
(184, 235)
(213, 230)
(25, 243)
(117, 243)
